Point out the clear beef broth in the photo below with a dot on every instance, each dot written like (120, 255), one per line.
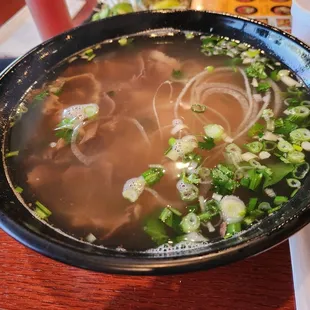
(123, 139)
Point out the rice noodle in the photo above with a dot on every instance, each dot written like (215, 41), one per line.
(141, 67)
(277, 97)
(195, 79)
(250, 99)
(258, 116)
(163, 201)
(154, 106)
(111, 102)
(140, 128)
(86, 160)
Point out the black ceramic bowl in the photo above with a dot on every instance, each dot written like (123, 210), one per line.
(20, 224)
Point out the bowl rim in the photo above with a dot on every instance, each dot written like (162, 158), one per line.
(147, 266)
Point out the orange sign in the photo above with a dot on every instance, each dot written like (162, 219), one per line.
(273, 12)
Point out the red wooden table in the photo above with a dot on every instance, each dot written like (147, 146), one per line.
(31, 281)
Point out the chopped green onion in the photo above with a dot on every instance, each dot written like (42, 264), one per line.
(256, 178)
(254, 147)
(296, 157)
(233, 209)
(177, 74)
(291, 101)
(296, 92)
(233, 229)
(252, 204)
(297, 147)
(198, 108)
(42, 211)
(18, 189)
(285, 146)
(256, 130)
(125, 41)
(275, 76)
(294, 183)
(171, 141)
(294, 192)
(274, 209)
(153, 175)
(301, 171)
(279, 200)
(189, 35)
(204, 173)
(252, 53)
(214, 131)
(170, 218)
(297, 114)
(190, 223)
(233, 148)
(11, 154)
(90, 111)
(300, 135)
(210, 69)
(269, 146)
(206, 216)
(264, 206)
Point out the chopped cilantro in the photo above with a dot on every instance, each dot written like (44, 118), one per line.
(177, 74)
(207, 144)
(279, 171)
(263, 87)
(156, 230)
(223, 180)
(286, 128)
(256, 70)
(256, 130)
(41, 96)
(64, 129)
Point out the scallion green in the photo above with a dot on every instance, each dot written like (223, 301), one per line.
(12, 154)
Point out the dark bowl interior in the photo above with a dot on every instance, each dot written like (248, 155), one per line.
(14, 82)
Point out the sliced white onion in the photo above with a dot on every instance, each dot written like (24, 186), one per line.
(210, 227)
(288, 81)
(217, 197)
(264, 155)
(248, 156)
(254, 82)
(306, 146)
(269, 136)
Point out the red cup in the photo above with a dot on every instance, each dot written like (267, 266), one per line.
(50, 16)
